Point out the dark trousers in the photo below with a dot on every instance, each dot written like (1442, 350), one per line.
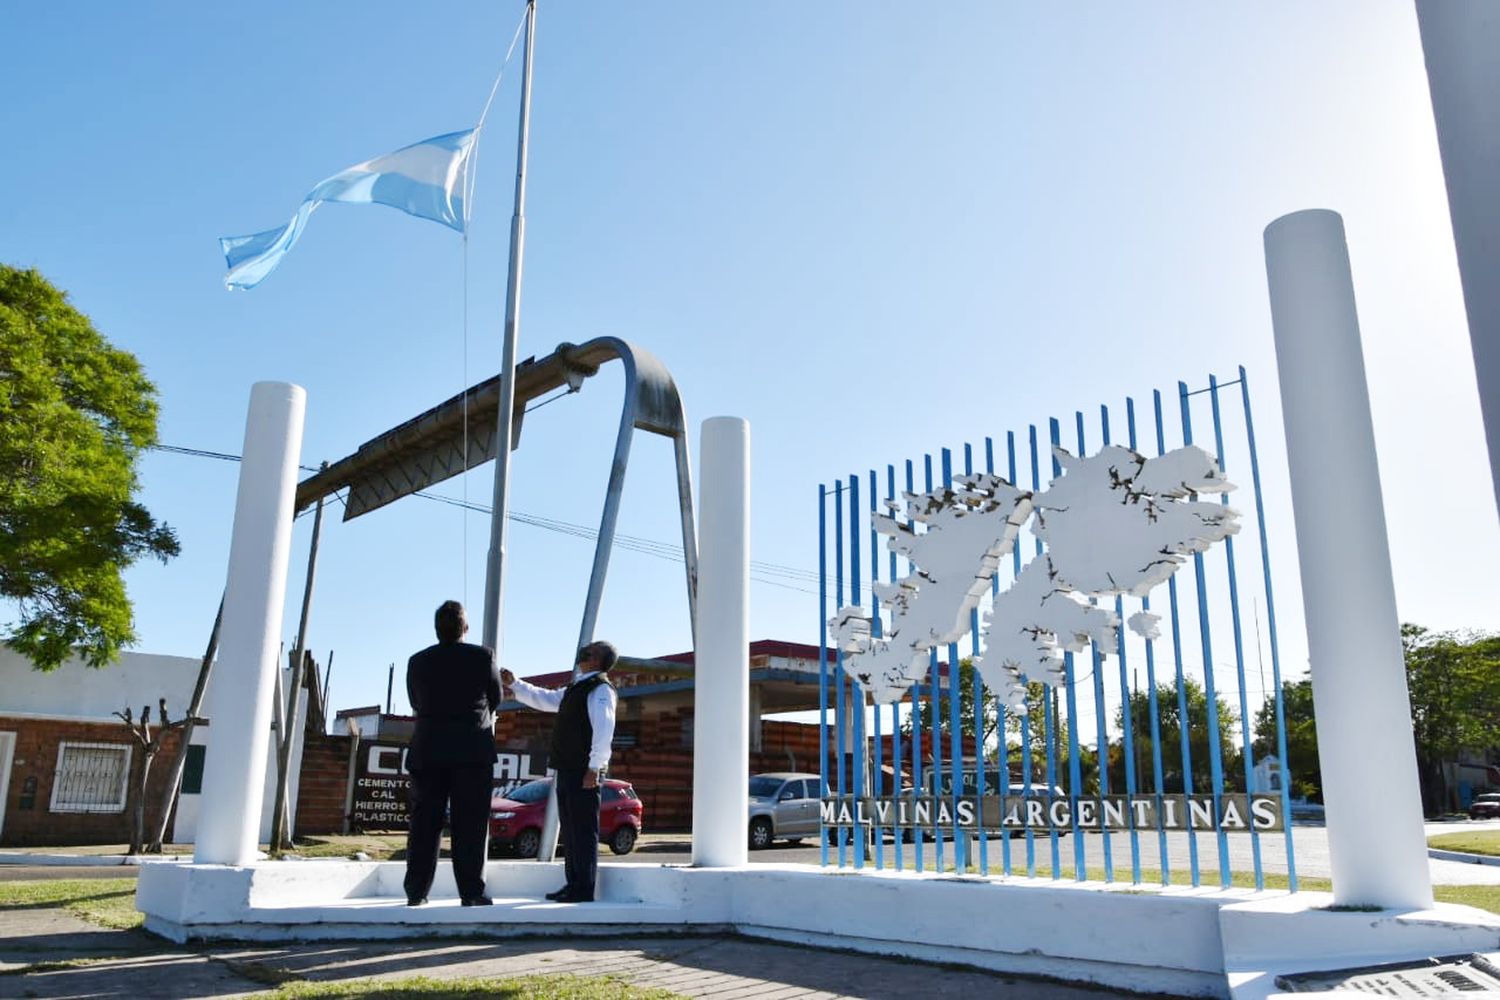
(578, 827)
(462, 791)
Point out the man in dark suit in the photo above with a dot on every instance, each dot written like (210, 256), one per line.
(454, 691)
(581, 740)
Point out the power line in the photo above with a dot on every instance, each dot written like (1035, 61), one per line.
(633, 543)
(204, 453)
(759, 571)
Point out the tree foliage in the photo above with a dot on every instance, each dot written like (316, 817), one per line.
(1169, 723)
(75, 414)
(1301, 737)
(1454, 682)
(966, 721)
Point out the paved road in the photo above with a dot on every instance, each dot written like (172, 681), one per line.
(1309, 844)
(31, 873)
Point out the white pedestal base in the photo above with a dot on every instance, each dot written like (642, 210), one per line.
(1188, 942)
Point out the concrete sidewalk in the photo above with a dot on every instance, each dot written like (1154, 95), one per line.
(47, 952)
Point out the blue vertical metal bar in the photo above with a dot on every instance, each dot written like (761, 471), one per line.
(1101, 723)
(1210, 691)
(879, 771)
(1247, 750)
(896, 782)
(1265, 572)
(838, 674)
(916, 720)
(1028, 763)
(1182, 705)
(854, 546)
(1127, 725)
(978, 684)
(857, 756)
(955, 721)
(1002, 777)
(1075, 766)
(935, 738)
(823, 658)
(1152, 707)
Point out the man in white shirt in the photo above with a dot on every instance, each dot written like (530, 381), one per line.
(580, 752)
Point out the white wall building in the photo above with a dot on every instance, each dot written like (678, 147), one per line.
(65, 758)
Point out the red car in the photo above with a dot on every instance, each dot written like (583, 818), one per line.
(516, 817)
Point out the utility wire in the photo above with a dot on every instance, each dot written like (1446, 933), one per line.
(759, 571)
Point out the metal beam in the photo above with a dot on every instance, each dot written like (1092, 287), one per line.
(430, 447)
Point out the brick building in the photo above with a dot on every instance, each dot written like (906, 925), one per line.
(653, 747)
(653, 734)
(67, 764)
(64, 760)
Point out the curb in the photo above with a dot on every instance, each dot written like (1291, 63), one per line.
(84, 860)
(1463, 856)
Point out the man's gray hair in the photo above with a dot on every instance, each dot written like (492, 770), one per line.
(608, 654)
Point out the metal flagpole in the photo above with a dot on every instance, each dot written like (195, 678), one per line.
(494, 577)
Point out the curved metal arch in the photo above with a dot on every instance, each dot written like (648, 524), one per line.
(430, 447)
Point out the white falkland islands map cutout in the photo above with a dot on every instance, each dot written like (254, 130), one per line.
(1113, 523)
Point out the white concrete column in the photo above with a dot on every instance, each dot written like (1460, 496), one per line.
(1365, 746)
(238, 702)
(721, 676)
(1461, 43)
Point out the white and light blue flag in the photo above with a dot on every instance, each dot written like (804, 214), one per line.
(428, 179)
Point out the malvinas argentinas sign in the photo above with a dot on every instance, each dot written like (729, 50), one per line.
(1233, 814)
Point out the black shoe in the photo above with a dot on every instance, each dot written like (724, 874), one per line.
(558, 894)
(478, 901)
(416, 900)
(574, 897)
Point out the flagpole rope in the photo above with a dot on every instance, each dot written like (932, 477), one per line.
(496, 88)
(465, 390)
(471, 173)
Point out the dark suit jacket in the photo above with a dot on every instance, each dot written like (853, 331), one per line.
(454, 688)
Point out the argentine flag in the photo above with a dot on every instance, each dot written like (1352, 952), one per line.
(427, 179)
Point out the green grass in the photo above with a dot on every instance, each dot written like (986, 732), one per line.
(549, 987)
(108, 902)
(380, 847)
(1474, 842)
(1482, 897)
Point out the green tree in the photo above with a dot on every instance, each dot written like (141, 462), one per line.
(1032, 725)
(75, 414)
(1169, 721)
(967, 725)
(1301, 737)
(1454, 682)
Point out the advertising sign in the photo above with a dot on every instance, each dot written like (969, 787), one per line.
(1232, 813)
(382, 786)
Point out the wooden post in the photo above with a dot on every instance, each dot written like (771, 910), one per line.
(281, 833)
(174, 783)
(353, 767)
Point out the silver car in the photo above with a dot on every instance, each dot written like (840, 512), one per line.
(783, 806)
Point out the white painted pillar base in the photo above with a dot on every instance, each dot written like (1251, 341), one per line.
(1365, 749)
(721, 675)
(238, 701)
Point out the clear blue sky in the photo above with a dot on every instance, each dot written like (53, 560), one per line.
(872, 229)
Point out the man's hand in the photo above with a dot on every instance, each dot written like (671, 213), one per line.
(591, 778)
(506, 677)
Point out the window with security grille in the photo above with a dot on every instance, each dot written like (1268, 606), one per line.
(91, 777)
